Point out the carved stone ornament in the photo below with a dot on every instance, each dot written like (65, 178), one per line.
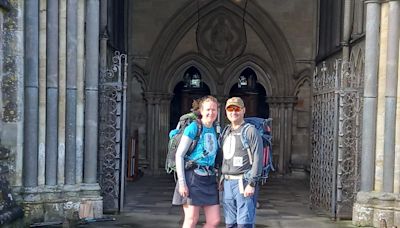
(221, 37)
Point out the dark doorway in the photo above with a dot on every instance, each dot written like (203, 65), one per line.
(252, 93)
(190, 88)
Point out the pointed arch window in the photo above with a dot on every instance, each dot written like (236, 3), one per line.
(192, 78)
(247, 79)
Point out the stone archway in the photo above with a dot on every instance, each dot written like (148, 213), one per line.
(165, 63)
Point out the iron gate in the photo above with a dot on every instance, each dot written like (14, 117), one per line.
(336, 115)
(112, 103)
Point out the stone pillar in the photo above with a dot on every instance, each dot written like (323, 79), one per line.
(378, 199)
(370, 95)
(391, 95)
(281, 112)
(31, 106)
(221, 113)
(150, 103)
(90, 189)
(51, 93)
(91, 91)
(158, 109)
(281, 121)
(80, 118)
(62, 49)
(71, 96)
(289, 101)
(165, 104)
(42, 91)
(276, 129)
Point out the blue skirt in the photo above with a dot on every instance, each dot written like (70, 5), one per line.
(203, 190)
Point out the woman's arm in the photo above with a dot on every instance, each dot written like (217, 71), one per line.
(181, 151)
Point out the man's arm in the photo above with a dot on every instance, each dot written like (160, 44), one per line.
(256, 148)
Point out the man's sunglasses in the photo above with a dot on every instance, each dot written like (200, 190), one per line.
(233, 109)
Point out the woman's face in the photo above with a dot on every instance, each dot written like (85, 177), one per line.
(209, 111)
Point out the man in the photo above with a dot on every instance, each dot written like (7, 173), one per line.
(240, 168)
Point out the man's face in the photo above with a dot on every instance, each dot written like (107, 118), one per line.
(235, 114)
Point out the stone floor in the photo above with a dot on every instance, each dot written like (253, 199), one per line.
(284, 202)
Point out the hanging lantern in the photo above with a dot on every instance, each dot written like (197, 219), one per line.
(242, 81)
(195, 81)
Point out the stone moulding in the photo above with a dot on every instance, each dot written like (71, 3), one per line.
(373, 207)
(55, 203)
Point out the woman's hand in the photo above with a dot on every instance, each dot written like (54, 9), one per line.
(183, 190)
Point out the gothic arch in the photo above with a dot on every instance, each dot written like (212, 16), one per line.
(357, 59)
(137, 72)
(303, 77)
(263, 71)
(258, 20)
(177, 69)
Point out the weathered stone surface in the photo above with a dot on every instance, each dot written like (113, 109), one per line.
(9, 210)
(373, 208)
(53, 212)
(362, 216)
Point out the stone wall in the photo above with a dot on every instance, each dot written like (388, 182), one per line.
(11, 67)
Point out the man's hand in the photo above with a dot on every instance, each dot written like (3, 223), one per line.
(183, 191)
(249, 191)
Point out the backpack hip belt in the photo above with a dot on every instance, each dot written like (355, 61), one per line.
(233, 177)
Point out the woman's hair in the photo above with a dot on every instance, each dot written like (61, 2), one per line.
(207, 98)
(196, 105)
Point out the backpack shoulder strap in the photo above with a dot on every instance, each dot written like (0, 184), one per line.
(222, 136)
(197, 137)
(199, 128)
(243, 135)
(245, 141)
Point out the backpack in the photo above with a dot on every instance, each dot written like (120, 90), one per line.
(175, 136)
(264, 128)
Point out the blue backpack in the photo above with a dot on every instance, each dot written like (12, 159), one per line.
(264, 128)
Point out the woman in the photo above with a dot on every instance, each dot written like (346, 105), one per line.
(197, 183)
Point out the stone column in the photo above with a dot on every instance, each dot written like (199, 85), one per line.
(62, 77)
(281, 122)
(277, 128)
(152, 119)
(391, 96)
(90, 189)
(221, 113)
(80, 91)
(70, 126)
(289, 101)
(42, 92)
(31, 105)
(91, 91)
(281, 112)
(376, 201)
(52, 92)
(370, 95)
(165, 104)
(158, 126)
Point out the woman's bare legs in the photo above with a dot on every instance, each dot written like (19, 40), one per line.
(212, 214)
(191, 216)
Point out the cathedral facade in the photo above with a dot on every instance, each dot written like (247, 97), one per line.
(91, 88)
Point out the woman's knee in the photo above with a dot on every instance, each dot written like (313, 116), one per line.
(214, 222)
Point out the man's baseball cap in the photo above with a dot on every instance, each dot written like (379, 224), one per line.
(235, 101)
